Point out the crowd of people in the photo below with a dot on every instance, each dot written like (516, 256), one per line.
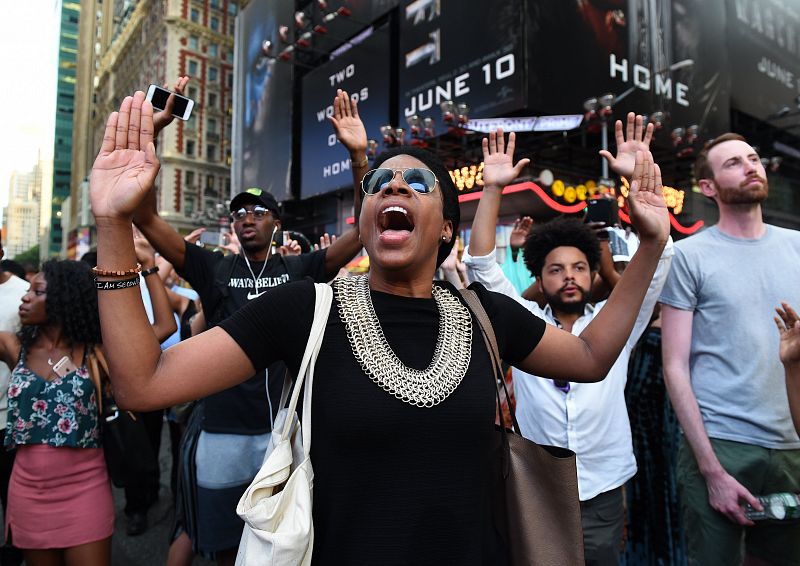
(152, 327)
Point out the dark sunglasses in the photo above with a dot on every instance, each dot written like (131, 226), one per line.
(257, 212)
(419, 179)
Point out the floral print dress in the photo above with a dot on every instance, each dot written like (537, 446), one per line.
(60, 413)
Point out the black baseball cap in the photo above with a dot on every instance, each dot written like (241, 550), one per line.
(255, 195)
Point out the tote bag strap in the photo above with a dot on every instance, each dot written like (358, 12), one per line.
(487, 331)
(322, 306)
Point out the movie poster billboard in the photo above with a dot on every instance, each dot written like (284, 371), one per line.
(362, 71)
(262, 152)
(466, 52)
(667, 56)
(764, 46)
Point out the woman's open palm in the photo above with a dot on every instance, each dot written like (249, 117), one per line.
(126, 167)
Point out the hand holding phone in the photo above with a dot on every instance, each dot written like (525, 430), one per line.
(181, 107)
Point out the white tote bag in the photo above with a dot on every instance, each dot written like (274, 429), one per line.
(276, 508)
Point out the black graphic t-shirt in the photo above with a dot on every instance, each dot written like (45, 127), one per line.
(225, 284)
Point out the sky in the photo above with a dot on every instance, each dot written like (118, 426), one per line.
(28, 67)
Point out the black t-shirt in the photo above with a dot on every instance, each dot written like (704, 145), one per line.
(393, 483)
(225, 284)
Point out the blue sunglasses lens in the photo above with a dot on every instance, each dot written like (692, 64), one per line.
(420, 180)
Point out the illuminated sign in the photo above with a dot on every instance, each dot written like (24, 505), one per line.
(673, 197)
(468, 177)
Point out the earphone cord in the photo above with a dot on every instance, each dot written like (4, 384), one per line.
(247, 261)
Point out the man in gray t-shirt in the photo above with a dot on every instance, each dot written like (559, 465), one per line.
(721, 365)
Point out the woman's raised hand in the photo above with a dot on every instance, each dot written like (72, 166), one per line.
(347, 123)
(498, 160)
(126, 167)
(648, 210)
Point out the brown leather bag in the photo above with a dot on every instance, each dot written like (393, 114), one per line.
(536, 505)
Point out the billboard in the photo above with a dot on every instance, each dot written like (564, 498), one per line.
(764, 46)
(667, 56)
(470, 52)
(262, 152)
(362, 71)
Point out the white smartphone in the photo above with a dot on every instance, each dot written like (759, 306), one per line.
(182, 108)
(64, 366)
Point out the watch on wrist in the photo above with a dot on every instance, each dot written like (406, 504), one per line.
(150, 271)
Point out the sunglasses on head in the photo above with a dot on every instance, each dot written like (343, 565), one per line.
(257, 212)
(419, 179)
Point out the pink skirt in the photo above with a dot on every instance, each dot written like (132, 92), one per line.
(58, 497)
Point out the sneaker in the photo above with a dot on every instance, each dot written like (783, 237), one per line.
(137, 524)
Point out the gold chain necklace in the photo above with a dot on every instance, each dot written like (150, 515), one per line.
(421, 388)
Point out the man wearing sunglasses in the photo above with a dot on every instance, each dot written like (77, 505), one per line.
(237, 421)
(591, 419)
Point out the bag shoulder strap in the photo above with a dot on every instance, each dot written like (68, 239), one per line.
(322, 306)
(98, 371)
(489, 338)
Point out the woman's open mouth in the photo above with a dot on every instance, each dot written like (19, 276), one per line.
(395, 224)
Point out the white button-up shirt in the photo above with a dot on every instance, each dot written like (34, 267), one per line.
(591, 419)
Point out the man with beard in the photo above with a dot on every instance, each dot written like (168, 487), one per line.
(721, 366)
(590, 419)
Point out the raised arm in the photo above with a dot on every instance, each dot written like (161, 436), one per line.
(163, 319)
(163, 238)
(350, 131)
(498, 171)
(789, 327)
(144, 378)
(590, 356)
(724, 492)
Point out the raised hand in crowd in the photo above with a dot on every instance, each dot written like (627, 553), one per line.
(350, 131)
(646, 202)
(163, 118)
(498, 160)
(498, 171)
(454, 269)
(194, 236)
(230, 242)
(519, 232)
(788, 323)
(324, 241)
(125, 170)
(290, 248)
(637, 138)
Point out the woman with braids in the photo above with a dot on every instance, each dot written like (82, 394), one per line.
(401, 472)
(60, 508)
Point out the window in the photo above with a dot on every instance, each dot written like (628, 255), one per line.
(230, 80)
(209, 181)
(212, 74)
(194, 15)
(192, 92)
(213, 50)
(232, 27)
(192, 68)
(212, 100)
(193, 43)
(211, 152)
(214, 25)
(190, 148)
(190, 179)
(211, 126)
(232, 8)
(214, 4)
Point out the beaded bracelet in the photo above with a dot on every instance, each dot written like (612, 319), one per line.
(120, 284)
(117, 273)
(150, 271)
